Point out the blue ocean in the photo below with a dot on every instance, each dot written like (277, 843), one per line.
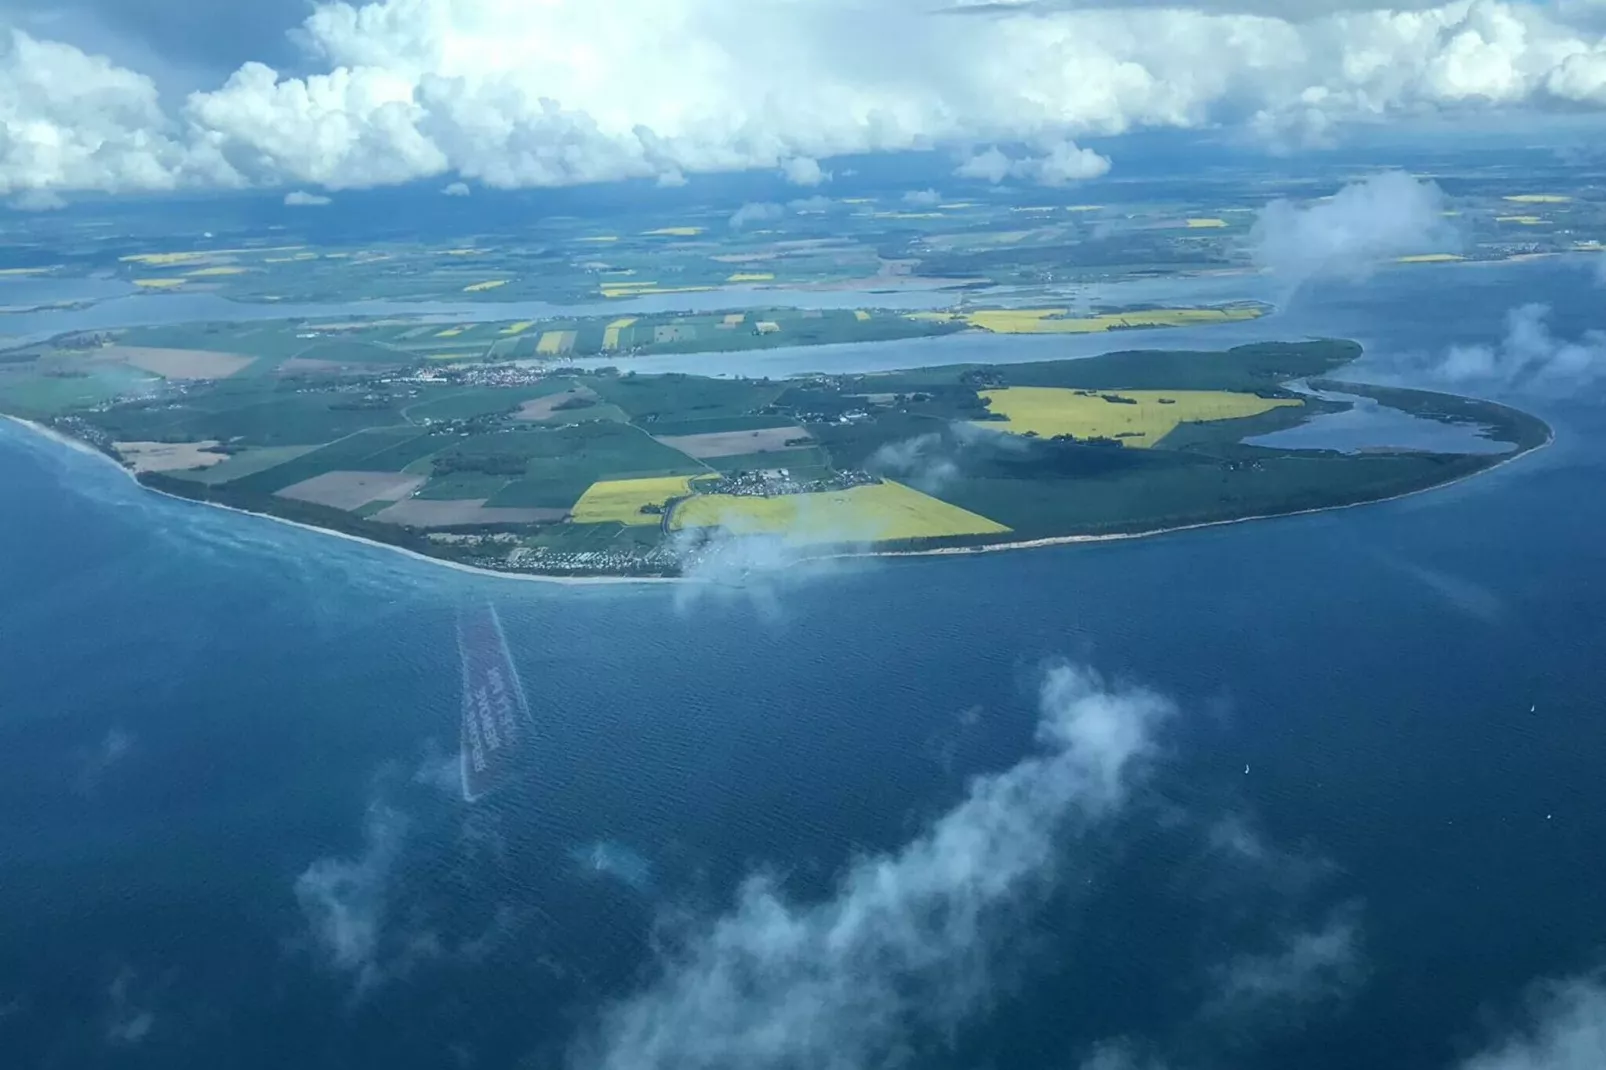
(1364, 819)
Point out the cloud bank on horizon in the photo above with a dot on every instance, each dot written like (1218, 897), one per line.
(508, 93)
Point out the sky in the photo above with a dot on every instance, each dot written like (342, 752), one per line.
(133, 96)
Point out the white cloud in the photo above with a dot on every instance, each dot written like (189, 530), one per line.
(905, 940)
(1567, 1031)
(458, 189)
(673, 178)
(1061, 162)
(510, 93)
(344, 899)
(804, 171)
(1529, 358)
(922, 198)
(1386, 215)
(302, 199)
(755, 212)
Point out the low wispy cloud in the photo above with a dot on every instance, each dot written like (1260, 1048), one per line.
(933, 460)
(95, 763)
(457, 189)
(759, 568)
(1302, 966)
(1384, 216)
(128, 1021)
(1565, 1030)
(908, 939)
(812, 205)
(300, 198)
(38, 200)
(922, 198)
(1058, 163)
(1530, 358)
(925, 461)
(755, 212)
(345, 899)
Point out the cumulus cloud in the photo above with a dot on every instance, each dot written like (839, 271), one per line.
(302, 199)
(1059, 163)
(1386, 215)
(1566, 1031)
(1530, 358)
(755, 212)
(344, 899)
(922, 198)
(458, 189)
(906, 939)
(804, 171)
(509, 93)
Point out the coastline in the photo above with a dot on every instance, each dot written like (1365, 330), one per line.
(576, 581)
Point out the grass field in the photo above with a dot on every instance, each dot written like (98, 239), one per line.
(1056, 320)
(1050, 411)
(880, 512)
(619, 501)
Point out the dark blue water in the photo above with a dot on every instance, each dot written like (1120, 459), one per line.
(226, 839)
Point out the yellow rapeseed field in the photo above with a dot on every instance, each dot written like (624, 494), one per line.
(734, 319)
(210, 271)
(878, 512)
(163, 259)
(860, 314)
(752, 276)
(553, 342)
(1055, 320)
(610, 333)
(620, 500)
(1051, 411)
(451, 332)
(1525, 220)
(1198, 223)
(599, 238)
(479, 287)
(675, 232)
(158, 284)
(1537, 198)
(517, 328)
(611, 290)
(1428, 258)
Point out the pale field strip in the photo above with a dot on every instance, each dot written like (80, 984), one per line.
(428, 513)
(170, 456)
(179, 363)
(352, 490)
(735, 443)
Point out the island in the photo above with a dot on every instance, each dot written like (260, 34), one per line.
(546, 467)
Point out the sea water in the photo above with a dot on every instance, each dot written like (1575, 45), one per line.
(229, 835)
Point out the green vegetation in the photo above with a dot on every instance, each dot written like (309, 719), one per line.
(603, 472)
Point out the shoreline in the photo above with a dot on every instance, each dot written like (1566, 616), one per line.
(80, 446)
